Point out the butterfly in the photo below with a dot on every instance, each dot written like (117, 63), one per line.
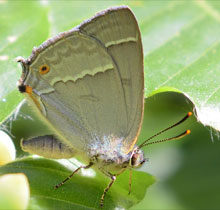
(87, 84)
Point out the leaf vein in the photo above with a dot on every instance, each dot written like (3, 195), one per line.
(190, 64)
(178, 33)
(209, 9)
(65, 201)
(215, 91)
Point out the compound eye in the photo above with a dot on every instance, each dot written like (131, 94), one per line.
(134, 159)
(44, 69)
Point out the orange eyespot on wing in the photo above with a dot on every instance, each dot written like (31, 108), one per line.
(44, 69)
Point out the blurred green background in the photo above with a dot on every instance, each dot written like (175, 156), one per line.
(187, 170)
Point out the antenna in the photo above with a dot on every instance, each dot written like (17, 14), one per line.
(168, 139)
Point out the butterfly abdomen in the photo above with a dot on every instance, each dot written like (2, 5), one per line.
(47, 146)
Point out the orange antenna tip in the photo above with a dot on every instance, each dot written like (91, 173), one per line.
(145, 143)
(189, 113)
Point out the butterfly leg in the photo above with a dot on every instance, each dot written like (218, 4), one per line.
(113, 178)
(69, 177)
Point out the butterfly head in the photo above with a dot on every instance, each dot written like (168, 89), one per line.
(137, 158)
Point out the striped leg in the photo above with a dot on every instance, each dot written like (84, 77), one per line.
(106, 189)
(61, 183)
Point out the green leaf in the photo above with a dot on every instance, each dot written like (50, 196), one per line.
(182, 48)
(80, 192)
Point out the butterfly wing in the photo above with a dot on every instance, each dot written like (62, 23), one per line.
(94, 88)
(118, 31)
